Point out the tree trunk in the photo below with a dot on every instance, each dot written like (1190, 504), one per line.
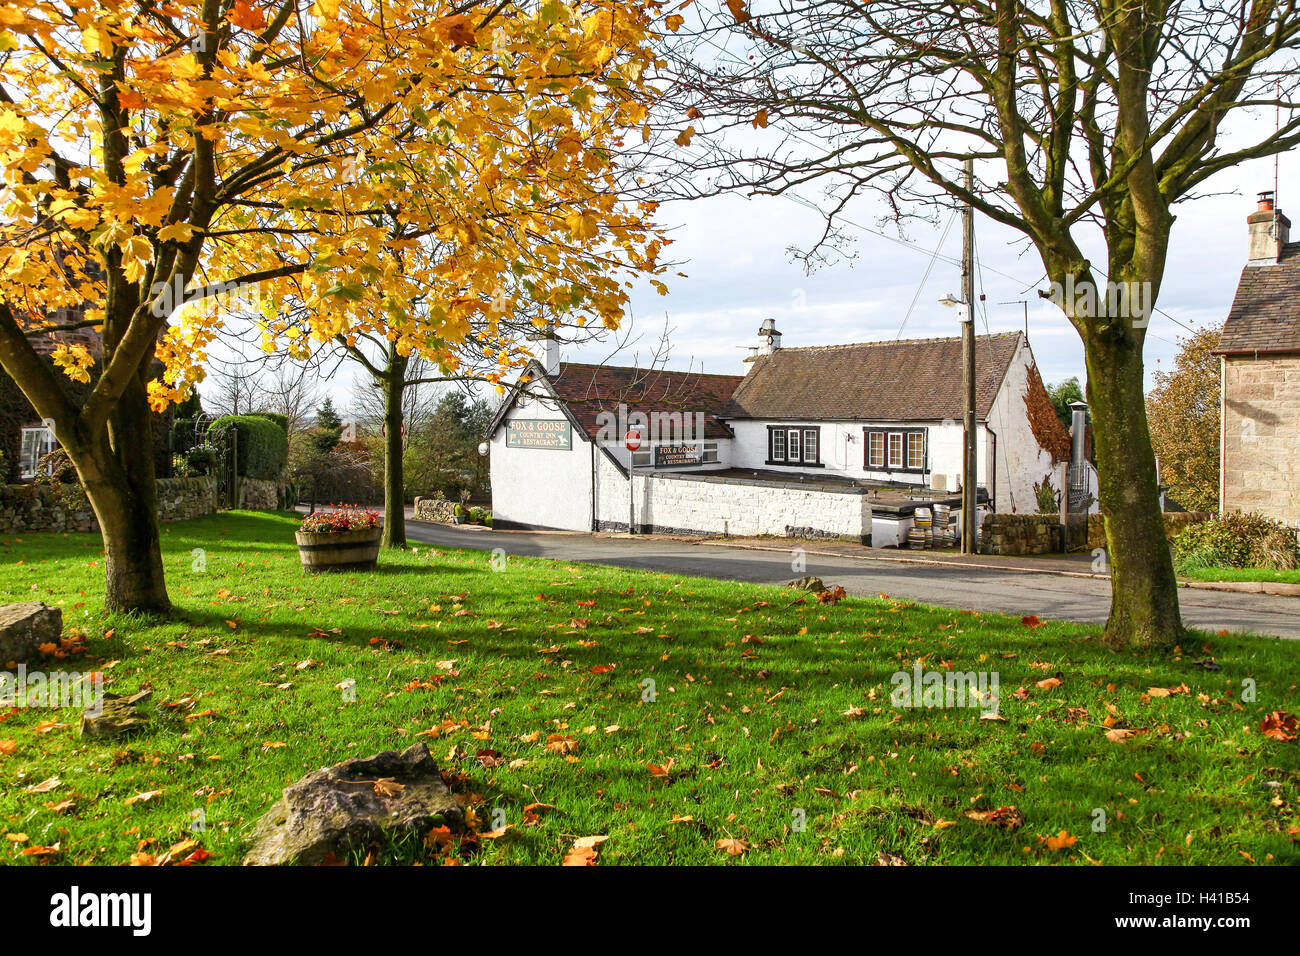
(394, 385)
(1144, 590)
(117, 471)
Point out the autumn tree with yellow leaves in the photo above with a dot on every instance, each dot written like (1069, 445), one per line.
(349, 157)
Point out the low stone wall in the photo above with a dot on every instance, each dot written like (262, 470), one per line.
(1175, 522)
(40, 507)
(44, 508)
(258, 494)
(181, 498)
(700, 503)
(434, 509)
(1008, 533)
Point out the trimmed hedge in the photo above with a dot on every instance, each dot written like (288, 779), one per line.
(263, 445)
(281, 420)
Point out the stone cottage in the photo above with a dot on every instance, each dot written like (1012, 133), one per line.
(1260, 364)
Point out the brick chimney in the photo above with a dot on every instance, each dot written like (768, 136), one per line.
(769, 339)
(1269, 231)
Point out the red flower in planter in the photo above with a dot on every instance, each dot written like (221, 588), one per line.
(342, 518)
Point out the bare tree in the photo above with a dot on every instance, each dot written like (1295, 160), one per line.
(1088, 121)
(231, 388)
(292, 389)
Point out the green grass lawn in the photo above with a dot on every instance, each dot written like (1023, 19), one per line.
(1240, 574)
(771, 723)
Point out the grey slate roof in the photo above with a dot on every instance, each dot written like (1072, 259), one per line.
(1265, 315)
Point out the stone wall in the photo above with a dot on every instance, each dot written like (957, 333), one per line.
(181, 498)
(258, 494)
(700, 503)
(434, 509)
(1009, 533)
(1175, 521)
(1261, 436)
(41, 507)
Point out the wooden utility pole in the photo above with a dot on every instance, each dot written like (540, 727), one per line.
(970, 460)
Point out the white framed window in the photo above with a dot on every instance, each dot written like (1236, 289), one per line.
(810, 444)
(36, 442)
(916, 451)
(876, 450)
(710, 451)
(641, 459)
(895, 449)
(793, 446)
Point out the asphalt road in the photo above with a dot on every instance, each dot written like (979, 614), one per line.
(1008, 592)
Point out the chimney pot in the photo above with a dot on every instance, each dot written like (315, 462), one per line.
(769, 339)
(1268, 231)
(547, 348)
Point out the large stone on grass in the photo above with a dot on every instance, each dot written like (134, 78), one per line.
(353, 804)
(807, 584)
(25, 627)
(117, 717)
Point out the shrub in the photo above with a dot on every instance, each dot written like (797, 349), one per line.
(1238, 541)
(263, 446)
(55, 470)
(1048, 498)
(200, 460)
(342, 475)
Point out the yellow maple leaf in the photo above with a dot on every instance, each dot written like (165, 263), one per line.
(137, 253)
(179, 231)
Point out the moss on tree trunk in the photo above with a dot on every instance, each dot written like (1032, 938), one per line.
(117, 471)
(1144, 604)
(394, 385)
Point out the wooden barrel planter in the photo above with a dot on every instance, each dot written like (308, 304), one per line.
(338, 550)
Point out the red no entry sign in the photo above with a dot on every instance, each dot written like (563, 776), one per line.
(633, 440)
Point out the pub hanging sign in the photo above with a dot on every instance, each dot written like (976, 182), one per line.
(550, 433)
(672, 456)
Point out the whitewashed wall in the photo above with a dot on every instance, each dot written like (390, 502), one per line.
(620, 454)
(1008, 465)
(842, 451)
(612, 494)
(1021, 461)
(541, 487)
(665, 503)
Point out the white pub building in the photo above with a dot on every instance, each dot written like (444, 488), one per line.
(839, 441)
